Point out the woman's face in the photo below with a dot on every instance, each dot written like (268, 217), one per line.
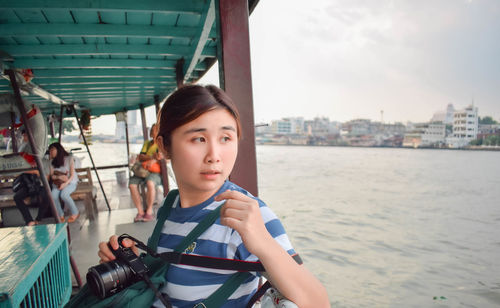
(52, 152)
(203, 152)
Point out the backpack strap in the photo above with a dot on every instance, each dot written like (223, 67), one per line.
(161, 217)
(220, 296)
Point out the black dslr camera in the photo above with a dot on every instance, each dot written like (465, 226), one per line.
(111, 277)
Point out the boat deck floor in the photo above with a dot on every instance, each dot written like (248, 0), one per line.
(86, 234)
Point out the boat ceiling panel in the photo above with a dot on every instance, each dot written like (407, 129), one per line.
(106, 55)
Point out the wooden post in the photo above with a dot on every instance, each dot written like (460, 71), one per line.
(144, 124)
(236, 79)
(157, 104)
(51, 125)
(61, 123)
(163, 162)
(179, 73)
(128, 143)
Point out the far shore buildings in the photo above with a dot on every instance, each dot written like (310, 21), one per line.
(450, 128)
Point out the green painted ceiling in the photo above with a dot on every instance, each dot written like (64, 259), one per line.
(106, 55)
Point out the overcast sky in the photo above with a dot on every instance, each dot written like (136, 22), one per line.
(348, 59)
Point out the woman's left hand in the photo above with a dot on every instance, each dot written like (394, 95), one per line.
(62, 186)
(242, 213)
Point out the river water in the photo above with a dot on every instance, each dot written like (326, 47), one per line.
(384, 227)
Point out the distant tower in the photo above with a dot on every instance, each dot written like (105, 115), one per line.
(381, 116)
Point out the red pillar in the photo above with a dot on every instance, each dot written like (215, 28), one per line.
(236, 79)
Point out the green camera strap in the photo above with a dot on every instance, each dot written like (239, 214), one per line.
(161, 217)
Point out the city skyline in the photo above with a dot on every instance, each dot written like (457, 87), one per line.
(106, 125)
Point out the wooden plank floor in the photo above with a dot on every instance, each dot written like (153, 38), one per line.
(86, 235)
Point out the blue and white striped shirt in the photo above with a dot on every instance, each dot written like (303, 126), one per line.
(189, 285)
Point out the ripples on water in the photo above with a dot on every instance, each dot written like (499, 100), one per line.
(391, 227)
(383, 227)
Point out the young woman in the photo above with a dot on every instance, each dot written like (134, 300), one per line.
(64, 180)
(199, 129)
(149, 157)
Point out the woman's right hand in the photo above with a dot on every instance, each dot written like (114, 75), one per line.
(107, 255)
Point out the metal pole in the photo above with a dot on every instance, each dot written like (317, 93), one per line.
(27, 127)
(157, 104)
(13, 133)
(90, 155)
(51, 125)
(128, 146)
(179, 72)
(61, 123)
(144, 126)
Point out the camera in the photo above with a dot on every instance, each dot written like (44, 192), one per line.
(111, 277)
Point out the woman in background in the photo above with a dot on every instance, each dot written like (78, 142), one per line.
(64, 180)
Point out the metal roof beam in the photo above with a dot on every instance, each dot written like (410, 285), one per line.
(70, 73)
(106, 89)
(96, 81)
(153, 6)
(114, 86)
(80, 97)
(191, 64)
(107, 92)
(100, 73)
(95, 30)
(30, 87)
(93, 63)
(100, 49)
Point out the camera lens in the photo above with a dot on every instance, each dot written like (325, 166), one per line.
(109, 278)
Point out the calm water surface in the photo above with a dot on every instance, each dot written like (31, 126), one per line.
(391, 227)
(384, 227)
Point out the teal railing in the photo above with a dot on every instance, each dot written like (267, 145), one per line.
(34, 266)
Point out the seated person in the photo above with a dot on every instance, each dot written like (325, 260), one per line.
(64, 180)
(37, 194)
(149, 157)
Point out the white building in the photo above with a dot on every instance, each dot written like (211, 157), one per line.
(425, 135)
(434, 134)
(288, 126)
(465, 127)
(317, 127)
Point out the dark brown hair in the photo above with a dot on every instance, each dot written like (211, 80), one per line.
(58, 161)
(188, 103)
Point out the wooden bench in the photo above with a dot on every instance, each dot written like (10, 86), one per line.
(6, 193)
(84, 191)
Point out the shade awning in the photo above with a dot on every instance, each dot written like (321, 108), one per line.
(106, 56)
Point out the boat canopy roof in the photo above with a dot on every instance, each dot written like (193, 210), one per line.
(106, 56)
